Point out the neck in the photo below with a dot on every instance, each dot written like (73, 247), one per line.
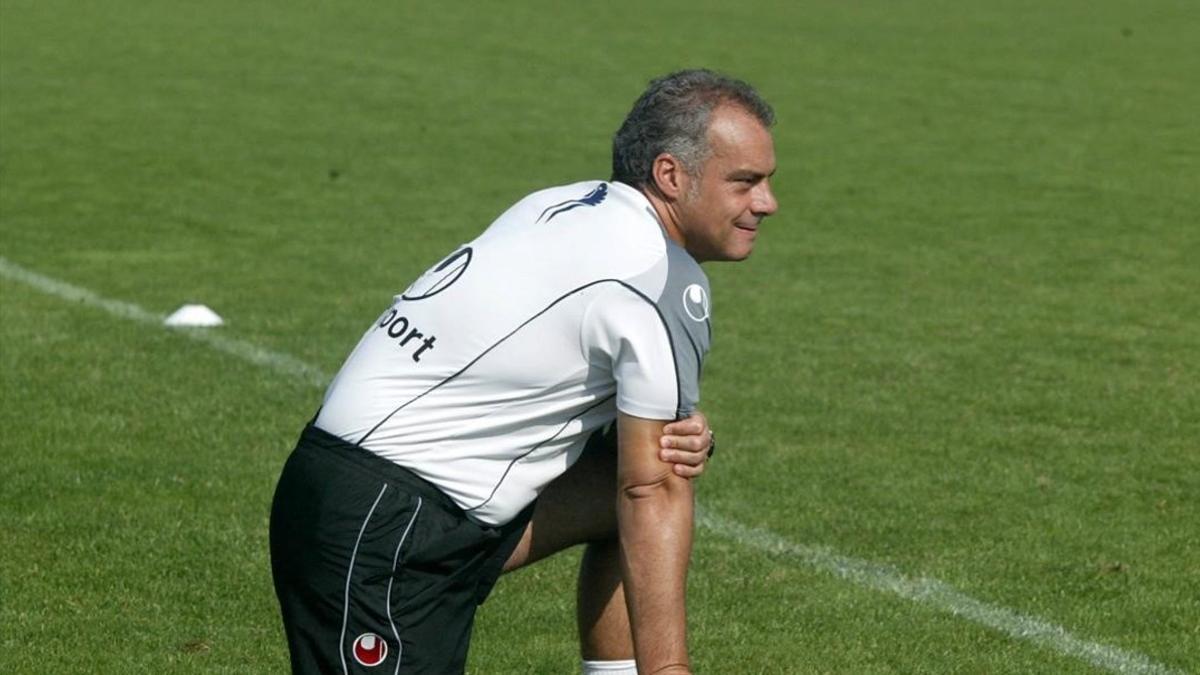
(667, 214)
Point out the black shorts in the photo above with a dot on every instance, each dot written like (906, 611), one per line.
(376, 570)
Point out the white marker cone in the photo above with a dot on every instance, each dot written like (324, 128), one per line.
(194, 315)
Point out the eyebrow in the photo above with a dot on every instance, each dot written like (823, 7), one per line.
(740, 174)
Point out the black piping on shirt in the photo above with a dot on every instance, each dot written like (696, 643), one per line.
(547, 308)
(530, 451)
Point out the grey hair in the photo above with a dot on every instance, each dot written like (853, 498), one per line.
(672, 116)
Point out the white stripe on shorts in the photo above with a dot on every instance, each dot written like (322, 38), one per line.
(349, 573)
(396, 559)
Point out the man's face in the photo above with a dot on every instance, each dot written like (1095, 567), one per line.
(720, 209)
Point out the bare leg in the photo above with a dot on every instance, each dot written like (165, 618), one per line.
(580, 508)
(604, 633)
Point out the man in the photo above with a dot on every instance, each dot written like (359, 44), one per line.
(580, 306)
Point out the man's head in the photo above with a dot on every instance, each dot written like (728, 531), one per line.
(697, 144)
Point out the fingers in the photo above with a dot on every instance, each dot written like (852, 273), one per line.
(685, 427)
(685, 445)
(693, 425)
(686, 464)
(684, 457)
(688, 471)
(698, 443)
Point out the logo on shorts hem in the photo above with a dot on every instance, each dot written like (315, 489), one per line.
(370, 650)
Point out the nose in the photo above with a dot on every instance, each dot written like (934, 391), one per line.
(764, 203)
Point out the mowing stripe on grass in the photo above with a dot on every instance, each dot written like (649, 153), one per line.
(861, 572)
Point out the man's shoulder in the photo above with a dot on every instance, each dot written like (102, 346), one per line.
(682, 267)
(584, 199)
(566, 191)
(609, 224)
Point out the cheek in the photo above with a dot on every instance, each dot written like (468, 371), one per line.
(737, 205)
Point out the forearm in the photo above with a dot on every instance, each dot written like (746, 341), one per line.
(655, 524)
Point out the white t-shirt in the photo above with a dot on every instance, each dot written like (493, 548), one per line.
(488, 374)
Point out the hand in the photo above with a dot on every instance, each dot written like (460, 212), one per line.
(686, 444)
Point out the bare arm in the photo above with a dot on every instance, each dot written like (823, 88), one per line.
(654, 518)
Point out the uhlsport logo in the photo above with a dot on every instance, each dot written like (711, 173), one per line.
(441, 276)
(370, 649)
(695, 302)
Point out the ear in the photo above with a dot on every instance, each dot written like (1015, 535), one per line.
(669, 176)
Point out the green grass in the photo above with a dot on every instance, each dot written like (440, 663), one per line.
(968, 346)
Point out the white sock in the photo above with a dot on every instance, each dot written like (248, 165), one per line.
(610, 667)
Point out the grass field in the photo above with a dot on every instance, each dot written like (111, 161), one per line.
(965, 356)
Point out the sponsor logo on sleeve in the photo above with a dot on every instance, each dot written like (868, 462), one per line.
(695, 302)
(370, 650)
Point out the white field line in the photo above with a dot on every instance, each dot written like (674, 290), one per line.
(861, 572)
(246, 351)
(936, 594)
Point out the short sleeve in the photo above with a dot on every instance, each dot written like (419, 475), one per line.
(685, 309)
(650, 353)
